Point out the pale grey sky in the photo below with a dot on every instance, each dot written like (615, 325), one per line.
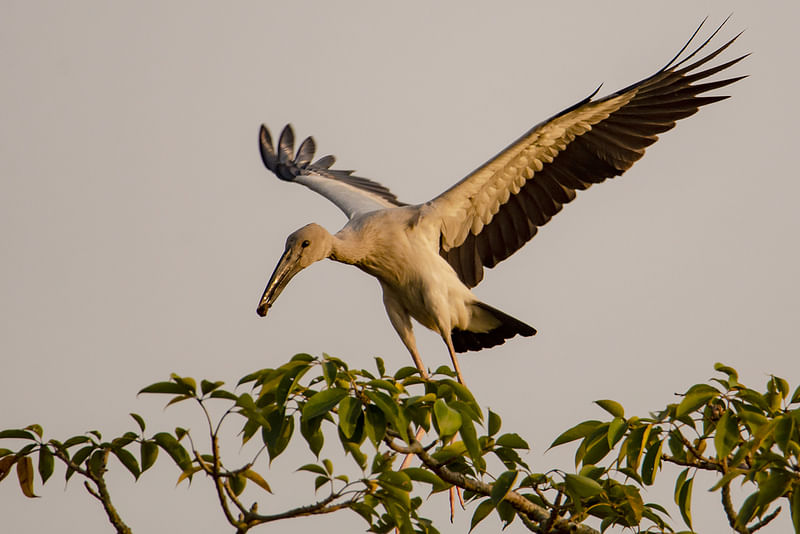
(138, 226)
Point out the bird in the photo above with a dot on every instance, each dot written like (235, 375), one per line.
(427, 257)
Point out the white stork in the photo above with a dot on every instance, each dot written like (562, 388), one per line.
(428, 256)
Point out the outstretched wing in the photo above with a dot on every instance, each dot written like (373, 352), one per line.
(351, 194)
(494, 211)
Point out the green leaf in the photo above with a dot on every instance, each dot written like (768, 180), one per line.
(36, 429)
(753, 419)
(149, 453)
(634, 500)
(727, 478)
(696, 396)
(578, 431)
(636, 442)
(46, 463)
(582, 486)
(612, 407)
(174, 449)
(447, 453)
(329, 372)
(652, 459)
(447, 419)
(311, 431)
(75, 440)
(349, 412)
(97, 462)
(139, 420)
(223, 394)
(398, 479)
(494, 423)
(596, 448)
(470, 438)
(323, 402)
(726, 436)
(384, 384)
(363, 510)
(506, 513)
(25, 476)
(679, 483)
(753, 398)
(616, 429)
(277, 437)
(258, 479)
(782, 386)
(290, 382)
(6, 463)
(320, 481)
(380, 365)
(747, 510)
(795, 504)
(733, 376)
(512, 441)
(313, 468)
(423, 475)
(79, 457)
(405, 372)
(773, 487)
(170, 388)
(784, 428)
(238, 483)
(16, 434)
(502, 486)
(374, 424)
(464, 395)
(128, 460)
(355, 452)
(483, 509)
(684, 501)
(207, 387)
(181, 398)
(796, 395)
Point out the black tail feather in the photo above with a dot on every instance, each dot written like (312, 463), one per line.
(465, 340)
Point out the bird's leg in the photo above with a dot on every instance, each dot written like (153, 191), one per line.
(412, 348)
(401, 321)
(455, 491)
(453, 358)
(402, 324)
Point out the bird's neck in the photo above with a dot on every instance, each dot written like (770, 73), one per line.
(346, 250)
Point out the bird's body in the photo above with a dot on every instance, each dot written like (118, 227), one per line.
(427, 257)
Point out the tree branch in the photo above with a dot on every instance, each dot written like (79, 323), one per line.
(100, 492)
(525, 507)
(727, 505)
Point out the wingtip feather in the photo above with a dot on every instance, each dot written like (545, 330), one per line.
(267, 149)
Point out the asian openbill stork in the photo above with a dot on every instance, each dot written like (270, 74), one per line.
(428, 256)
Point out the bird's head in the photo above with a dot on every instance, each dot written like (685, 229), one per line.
(307, 245)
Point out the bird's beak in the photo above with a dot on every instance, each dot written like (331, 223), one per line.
(288, 266)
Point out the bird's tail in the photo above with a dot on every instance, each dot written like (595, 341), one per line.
(488, 328)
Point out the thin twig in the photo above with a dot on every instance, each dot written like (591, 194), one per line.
(764, 522)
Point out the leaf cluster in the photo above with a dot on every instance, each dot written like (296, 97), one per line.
(722, 426)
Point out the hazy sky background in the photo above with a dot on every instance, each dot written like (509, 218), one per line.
(138, 226)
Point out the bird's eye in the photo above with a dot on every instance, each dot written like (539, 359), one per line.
(305, 243)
